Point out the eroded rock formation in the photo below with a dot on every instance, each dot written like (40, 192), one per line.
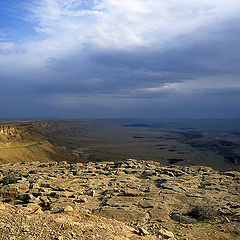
(126, 200)
(15, 133)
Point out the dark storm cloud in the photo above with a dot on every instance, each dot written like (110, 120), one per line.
(195, 74)
(214, 50)
(210, 52)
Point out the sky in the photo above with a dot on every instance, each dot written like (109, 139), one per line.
(119, 59)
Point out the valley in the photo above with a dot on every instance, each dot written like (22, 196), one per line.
(214, 143)
(119, 179)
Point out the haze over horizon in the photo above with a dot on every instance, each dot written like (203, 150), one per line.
(119, 59)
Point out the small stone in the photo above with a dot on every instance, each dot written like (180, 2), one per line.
(32, 207)
(149, 172)
(132, 193)
(143, 231)
(45, 201)
(227, 220)
(68, 209)
(171, 174)
(26, 197)
(2, 206)
(63, 163)
(175, 216)
(38, 211)
(90, 193)
(59, 238)
(58, 176)
(34, 186)
(146, 204)
(166, 234)
(82, 200)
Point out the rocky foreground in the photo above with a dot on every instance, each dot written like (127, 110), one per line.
(127, 200)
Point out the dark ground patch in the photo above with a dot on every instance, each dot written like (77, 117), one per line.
(175, 160)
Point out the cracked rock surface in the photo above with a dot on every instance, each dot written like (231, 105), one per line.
(127, 200)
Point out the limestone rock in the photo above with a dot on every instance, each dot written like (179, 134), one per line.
(143, 231)
(132, 193)
(136, 193)
(166, 234)
(68, 209)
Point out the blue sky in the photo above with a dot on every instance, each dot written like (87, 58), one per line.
(128, 58)
(13, 21)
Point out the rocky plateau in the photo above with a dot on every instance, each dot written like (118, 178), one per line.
(126, 200)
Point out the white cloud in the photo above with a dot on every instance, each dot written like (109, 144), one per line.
(80, 27)
(201, 85)
(127, 23)
(3, 36)
(67, 25)
(6, 47)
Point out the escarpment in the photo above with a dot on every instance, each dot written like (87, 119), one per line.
(15, 133)
(23, 143)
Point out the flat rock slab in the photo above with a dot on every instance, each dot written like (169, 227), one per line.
(137, 193)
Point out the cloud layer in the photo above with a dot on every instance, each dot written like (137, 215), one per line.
(109, 58)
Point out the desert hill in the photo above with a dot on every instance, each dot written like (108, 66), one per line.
(23, 142)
